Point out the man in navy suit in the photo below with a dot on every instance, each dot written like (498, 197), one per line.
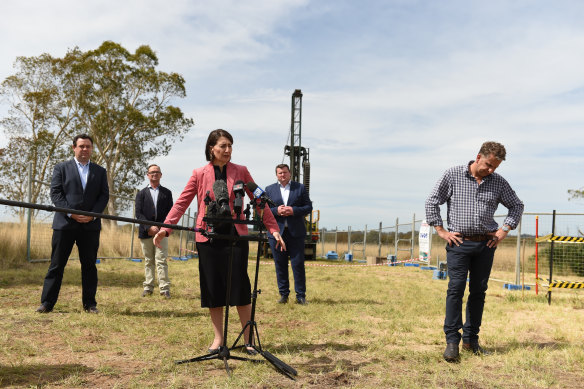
(76, 184)
(153, 203)
(293, 204)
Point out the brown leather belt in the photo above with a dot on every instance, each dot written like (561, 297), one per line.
(477, 238)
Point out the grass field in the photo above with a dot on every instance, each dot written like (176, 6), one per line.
(365, 327)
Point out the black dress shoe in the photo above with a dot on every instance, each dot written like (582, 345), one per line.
(92, 309)
(451, 353)
(283, 300)
(43, 309)
(475, 348)
(301, 301)
(213, 351)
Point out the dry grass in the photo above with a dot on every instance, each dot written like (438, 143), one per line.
(365, 327)
(115, 242)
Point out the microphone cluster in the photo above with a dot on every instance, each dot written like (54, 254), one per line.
(219, 207)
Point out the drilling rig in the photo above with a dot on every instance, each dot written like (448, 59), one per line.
(300, 171)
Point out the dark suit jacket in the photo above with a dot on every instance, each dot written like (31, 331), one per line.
(300, 203)
(145, 208)
(67, 192)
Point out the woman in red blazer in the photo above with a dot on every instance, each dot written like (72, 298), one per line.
(214, 256)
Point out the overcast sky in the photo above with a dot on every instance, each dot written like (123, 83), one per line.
(395, 92)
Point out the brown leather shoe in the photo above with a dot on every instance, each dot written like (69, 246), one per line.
(166, 294)
(451, 353)
(475, 348)
(43, 309)
(92, 309)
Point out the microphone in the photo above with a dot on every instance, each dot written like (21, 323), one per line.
(259, 193)
(239, 194)
(222, 198)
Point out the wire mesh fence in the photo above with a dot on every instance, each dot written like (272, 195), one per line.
(117, 240)
(515, 256)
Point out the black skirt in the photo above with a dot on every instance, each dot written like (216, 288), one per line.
(213, 267)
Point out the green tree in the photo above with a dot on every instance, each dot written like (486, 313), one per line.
(576, 193)
(117, 97)
(36, 128)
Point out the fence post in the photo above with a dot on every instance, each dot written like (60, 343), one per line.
(379, 242)
(413, 236)
(518, 255)
(133, 227)
(349, 239)
(549, 293)
(365, 242)
(336, 232)
(396, 233)
(29, 212)
(322, 240)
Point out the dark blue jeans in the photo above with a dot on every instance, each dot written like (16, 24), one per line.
(473, 260)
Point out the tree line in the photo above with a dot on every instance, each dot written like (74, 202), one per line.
(117, 97)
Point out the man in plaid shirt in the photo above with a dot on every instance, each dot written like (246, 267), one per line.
(472, 193)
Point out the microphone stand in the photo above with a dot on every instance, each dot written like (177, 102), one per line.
(224, 351)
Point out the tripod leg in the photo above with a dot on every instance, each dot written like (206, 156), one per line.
(278, 364)
(227, 369)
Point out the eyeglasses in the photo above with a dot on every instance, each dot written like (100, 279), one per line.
(153, 173)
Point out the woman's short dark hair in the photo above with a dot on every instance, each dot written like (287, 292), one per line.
(212, 141)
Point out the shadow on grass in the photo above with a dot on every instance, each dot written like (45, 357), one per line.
(293, 347)
(73, 277)
(504, 349)
(163, 313)
(326, 365)
(330, 301)
(38, 375)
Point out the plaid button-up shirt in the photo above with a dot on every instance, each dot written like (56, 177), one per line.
(470, 205)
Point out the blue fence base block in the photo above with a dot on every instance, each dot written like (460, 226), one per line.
(332, 255)
(428, 267)
(439, 275)
(98, 260)
(515, 287)
(361, 261)
(412, 264)
(135, 260)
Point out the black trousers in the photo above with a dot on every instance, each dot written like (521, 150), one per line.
(62, 244)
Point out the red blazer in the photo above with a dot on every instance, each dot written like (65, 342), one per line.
(202, 181)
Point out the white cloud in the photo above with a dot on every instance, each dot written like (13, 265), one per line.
(394, 92)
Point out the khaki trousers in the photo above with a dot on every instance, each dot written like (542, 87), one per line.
(155, 257)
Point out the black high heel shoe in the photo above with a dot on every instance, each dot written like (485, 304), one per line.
(250, 351)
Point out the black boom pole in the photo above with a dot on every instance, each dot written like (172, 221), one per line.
(50, 208)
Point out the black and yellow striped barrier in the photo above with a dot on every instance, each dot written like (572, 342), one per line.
(566, 239)
(561, 284)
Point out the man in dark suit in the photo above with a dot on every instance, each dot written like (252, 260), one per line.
(76, 184)
(153, 203)
(293, 204)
